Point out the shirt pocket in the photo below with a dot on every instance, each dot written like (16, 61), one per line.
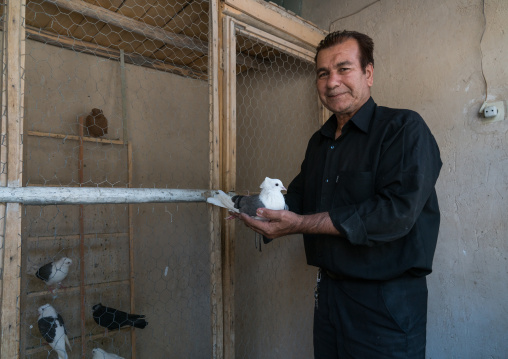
(352, 187)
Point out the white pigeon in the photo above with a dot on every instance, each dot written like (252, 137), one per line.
(52, 328)
(54, 272)
(98, 353)
(270, 197)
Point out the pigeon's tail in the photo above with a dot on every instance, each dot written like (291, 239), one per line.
(139, 322)
(68, 343)
(62, 354)
(222, 200)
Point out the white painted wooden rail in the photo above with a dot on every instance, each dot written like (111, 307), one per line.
(96, 195)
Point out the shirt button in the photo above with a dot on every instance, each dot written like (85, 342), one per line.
(326, 180)
(332, 147)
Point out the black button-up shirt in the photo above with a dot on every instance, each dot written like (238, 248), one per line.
(376, 181)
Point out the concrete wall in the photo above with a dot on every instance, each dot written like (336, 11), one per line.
(429, 57)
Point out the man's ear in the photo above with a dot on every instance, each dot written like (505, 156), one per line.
(369, 72)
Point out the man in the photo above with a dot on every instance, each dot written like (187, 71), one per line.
(366, 204)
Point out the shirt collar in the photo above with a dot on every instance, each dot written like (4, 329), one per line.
(361, 120)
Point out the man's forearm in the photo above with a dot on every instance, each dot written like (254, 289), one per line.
(319, 223)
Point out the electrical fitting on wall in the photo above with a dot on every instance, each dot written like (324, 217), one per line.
(492, 111)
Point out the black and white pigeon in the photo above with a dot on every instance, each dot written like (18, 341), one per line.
(52, 329)
(98, 353)
(112, 318)
(54, 272)
(270, 197)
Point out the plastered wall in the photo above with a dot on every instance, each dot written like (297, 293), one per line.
(430, 57)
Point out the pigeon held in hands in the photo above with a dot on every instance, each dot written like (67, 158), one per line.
(52, 329)
(112, 318)
(54, 272)
(98, 353)
(270, 197)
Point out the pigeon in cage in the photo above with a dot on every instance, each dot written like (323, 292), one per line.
(52, 329)
(270, 197)
(111, 318)
(96, 123)
(54, 272)
(98, 353)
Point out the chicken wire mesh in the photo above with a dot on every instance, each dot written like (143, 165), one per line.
(277, 112)
(117, 95)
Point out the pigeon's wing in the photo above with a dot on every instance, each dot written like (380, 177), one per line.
(248, 204)
(44, 272)
(47, 328)
(135, 316)
(60, 319)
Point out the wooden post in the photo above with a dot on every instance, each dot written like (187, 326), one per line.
(11, 285)
(214, 80)
(3, 153)
(131, 247)
(82, 290)
(124, 95)
(229, 182)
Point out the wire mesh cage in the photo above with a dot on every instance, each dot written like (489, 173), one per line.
(116, 95)
(111, 104)
(277, 112)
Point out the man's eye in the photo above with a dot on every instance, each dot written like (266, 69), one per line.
(321, 75)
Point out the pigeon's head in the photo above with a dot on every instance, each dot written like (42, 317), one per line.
(64, 262)
(47, 311)
(97, 351)
(271, 184)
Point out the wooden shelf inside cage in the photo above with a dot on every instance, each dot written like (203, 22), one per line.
(76, 340)
(76, 289)
(75, 138)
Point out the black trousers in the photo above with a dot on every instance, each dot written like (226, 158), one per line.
(371, 319)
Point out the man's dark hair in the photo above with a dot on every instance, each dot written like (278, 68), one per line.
(365, 44)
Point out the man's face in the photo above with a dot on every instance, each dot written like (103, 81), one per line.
(342, 85)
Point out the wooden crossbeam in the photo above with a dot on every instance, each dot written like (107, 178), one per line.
(140, 28)
(137, 27)
(65, 42)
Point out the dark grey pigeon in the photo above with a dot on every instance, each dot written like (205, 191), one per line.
(112, 318)
(270, 197)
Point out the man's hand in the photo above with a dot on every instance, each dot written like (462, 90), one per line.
(282, 223)
(275, 224)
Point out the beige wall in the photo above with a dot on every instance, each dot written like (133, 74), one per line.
(429, 58)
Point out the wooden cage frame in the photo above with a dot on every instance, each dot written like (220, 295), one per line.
(256, 18)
